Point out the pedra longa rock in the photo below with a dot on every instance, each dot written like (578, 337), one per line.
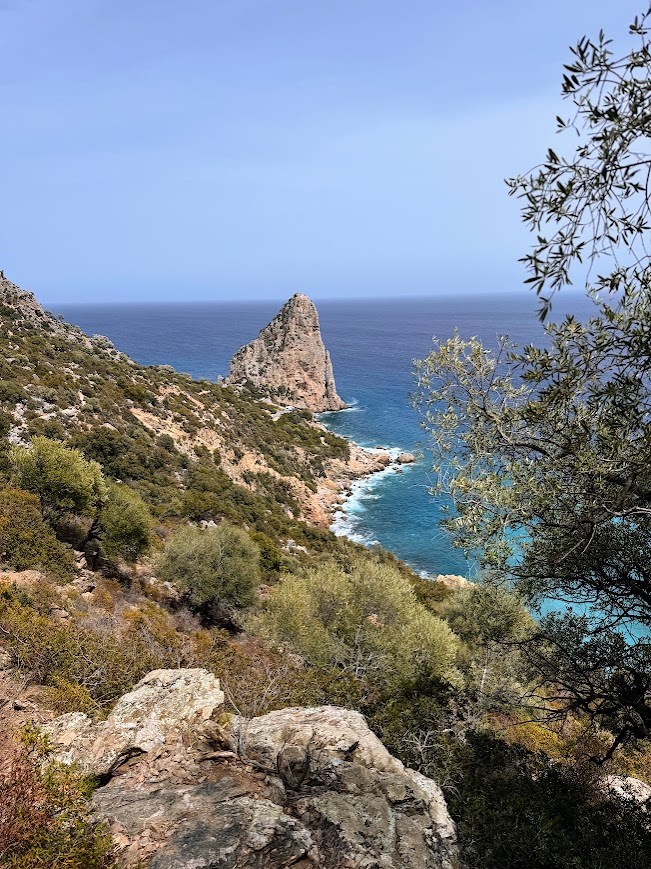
(297, 787)
(288, 360)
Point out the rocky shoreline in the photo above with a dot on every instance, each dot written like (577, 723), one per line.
(337, 487)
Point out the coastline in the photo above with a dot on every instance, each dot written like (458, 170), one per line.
(342, 492)
(346, 482)
(356, 493)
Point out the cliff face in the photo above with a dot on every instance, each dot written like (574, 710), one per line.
(289, 360)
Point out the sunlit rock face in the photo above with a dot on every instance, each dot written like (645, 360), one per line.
(288, 360)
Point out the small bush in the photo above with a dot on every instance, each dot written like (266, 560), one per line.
(45, 820)
(271, 556)
(216, 565)
(367, 621)
(86, 665)
(125, 524)
(26, 540)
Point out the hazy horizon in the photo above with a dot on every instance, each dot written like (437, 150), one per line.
(250, 149)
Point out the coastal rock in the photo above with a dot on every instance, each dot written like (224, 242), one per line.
(296, 787)
(406, 459)
(289, 361)
(453, 581)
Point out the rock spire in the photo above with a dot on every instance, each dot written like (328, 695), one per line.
(289, 361)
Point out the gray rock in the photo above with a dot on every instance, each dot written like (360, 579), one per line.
(161, 706)
(629, 788)
(297, 787)
(212, 826)
(364, 808)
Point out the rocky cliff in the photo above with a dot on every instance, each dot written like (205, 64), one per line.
(289, 361)
(185, 785)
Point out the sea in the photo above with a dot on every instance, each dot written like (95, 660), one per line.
(373, 344)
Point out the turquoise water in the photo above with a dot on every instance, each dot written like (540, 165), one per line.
(372, 343)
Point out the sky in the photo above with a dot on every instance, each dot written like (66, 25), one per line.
(245, 149)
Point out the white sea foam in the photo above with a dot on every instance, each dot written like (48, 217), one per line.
(353, 406)
(345, 522)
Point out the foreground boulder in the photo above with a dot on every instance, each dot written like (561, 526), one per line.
(297, 787)
(288, 360)
(161, 707)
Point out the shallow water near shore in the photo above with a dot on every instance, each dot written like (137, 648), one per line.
(373, 343)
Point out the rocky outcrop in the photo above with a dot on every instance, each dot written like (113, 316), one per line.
(160, 707)
(188, 786)
(629, 788)
(20, 308)
(288, 360)
(453, 581)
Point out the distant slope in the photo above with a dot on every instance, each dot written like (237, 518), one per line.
(194, 449)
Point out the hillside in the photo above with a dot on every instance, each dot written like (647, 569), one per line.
(193, 449)
(235, 685)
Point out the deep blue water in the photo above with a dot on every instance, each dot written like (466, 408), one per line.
(373, 344)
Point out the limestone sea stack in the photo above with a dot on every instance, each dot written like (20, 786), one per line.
(288, 360)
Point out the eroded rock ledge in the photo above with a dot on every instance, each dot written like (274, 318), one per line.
(187, 786)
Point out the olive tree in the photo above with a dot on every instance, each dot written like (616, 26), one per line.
(212, 567)
(545, 452)
(63, 480)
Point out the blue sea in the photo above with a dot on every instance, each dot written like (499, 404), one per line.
(373, 343)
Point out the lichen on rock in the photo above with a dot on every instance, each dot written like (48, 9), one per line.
(185, 785)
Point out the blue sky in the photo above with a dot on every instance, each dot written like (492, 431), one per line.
(209, 149)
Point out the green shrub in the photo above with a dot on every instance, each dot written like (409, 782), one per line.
(63, 480)
(271, 556)
(10, 393)
(125, 524)
(367, 621)
(26, 540)
(215, 565)
(48, 428)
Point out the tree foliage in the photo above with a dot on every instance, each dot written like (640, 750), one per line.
(26, 540)
(214, 565)
(62, 479)
(545, 451)
(591, 209)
